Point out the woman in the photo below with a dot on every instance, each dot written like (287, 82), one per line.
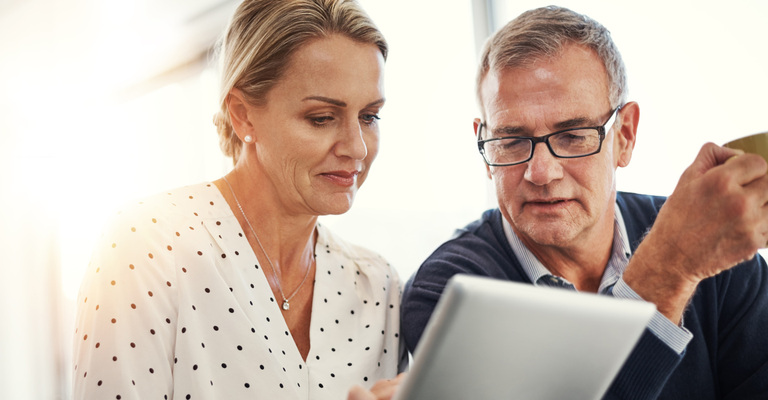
(232, 289)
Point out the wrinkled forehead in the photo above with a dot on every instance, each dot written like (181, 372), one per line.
(575, 74)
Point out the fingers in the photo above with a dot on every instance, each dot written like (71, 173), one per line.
(385, 389)
(746, 167)
(381, 390)
(359, 393)
(712, 155)
(725, 166)
(717, 214)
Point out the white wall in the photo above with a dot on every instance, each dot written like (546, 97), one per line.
(76, 139)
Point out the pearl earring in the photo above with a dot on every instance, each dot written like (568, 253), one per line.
(248, 139)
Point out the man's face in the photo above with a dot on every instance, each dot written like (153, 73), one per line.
(553, 201)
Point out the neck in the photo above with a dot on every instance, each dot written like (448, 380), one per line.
(580, 261)
(582, 267)
(288, 239)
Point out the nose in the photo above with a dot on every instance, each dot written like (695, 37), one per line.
(543, 167)
(351, 142)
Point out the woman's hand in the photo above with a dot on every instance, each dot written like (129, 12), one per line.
(382, 390)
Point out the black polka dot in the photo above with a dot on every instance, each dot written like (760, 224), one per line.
(126, 346)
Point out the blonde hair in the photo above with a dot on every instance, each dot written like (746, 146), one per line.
(261, 38)
(542, 33)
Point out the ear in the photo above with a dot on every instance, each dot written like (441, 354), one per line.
(626, 133)
(476, 124)
(238, 109)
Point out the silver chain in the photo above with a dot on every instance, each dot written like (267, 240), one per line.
(286, 300)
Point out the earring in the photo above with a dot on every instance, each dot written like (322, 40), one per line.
(248, 139)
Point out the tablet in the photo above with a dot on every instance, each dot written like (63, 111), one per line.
(494, 339)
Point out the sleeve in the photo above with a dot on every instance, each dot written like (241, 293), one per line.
(126, 314)
(674, 336)
(728, 317)
(415, 311)
(646, 370)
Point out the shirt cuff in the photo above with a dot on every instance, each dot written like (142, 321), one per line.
(674, 336)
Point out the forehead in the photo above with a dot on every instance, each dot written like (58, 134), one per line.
(336, 66)
(574, 81)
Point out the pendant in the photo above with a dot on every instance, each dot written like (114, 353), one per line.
(286, 306)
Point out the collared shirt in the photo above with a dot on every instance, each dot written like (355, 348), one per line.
(612, 282)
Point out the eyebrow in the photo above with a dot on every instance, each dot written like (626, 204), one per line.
(339, 103)
(577, 122)
(574, 123)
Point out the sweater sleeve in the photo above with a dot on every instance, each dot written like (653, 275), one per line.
(646, 370)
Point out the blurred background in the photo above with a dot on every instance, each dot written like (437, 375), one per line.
(106, 101)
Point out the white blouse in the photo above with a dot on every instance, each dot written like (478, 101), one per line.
(175, 305)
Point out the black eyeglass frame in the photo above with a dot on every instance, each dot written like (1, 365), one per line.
(545, 139)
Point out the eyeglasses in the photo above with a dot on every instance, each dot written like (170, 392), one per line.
(568, 143)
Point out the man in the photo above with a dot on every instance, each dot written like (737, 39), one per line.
(555, 127)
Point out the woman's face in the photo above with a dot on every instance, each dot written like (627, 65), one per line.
(317, 135)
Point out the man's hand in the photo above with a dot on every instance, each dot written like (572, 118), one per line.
(382, 390)
(715, 218)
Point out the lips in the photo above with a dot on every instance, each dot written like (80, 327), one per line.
(550, 204)
(342, 177)
(546, 201)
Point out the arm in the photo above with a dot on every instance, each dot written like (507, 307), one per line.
(715, 218)
(123, 341)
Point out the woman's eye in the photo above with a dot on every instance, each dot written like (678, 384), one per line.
(370, 119)
(320, 121)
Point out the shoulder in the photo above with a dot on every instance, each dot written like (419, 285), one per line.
(155, 225)
(480, 248)
(366, 260)
(639, 212)
(635, 201)
(170, 207)
(480, 243)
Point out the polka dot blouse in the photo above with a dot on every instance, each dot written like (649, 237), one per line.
(175, 305)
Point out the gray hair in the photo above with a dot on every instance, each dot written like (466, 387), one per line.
(542, 33)
(261, 38)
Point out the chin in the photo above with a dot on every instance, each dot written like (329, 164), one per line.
(548, 234)
(335, 205)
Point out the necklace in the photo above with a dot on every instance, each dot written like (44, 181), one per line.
(286, 300)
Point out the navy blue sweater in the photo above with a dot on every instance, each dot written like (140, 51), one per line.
(728, 315)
